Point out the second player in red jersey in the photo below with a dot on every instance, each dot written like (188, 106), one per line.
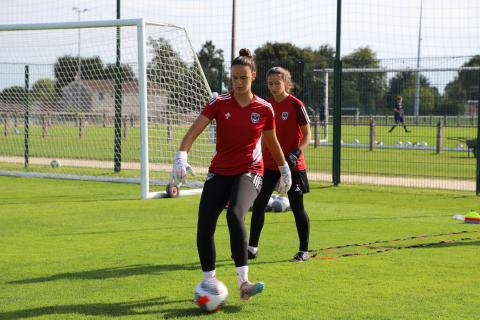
(290, 115)
(293, 131)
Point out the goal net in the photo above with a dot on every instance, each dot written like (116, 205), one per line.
(99, 100)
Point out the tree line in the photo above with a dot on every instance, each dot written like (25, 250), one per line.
(371, 93)
(66, 69)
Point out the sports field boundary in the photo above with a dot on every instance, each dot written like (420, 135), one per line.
(415, 182)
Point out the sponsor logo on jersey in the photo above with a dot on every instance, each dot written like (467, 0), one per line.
(284, 115)
(255, 117)
(228, 115)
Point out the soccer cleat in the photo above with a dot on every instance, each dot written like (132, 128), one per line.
(248, 289)
(302, 256)
(251, 255)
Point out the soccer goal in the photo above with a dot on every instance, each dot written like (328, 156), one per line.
(99, 100)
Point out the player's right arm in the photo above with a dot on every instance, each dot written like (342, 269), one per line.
(195, 130)
(180, 164)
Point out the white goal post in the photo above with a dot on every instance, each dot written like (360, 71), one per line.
(59, 100)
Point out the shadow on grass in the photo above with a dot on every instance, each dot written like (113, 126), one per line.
(70, 234)
(53, 199)
(131, 308)
(108, 273)
(126, 271)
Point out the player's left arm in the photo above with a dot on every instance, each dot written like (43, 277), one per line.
(304, 124)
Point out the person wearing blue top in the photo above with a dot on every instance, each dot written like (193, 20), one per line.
(398, 114)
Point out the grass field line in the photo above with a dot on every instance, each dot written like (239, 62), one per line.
(448, 184)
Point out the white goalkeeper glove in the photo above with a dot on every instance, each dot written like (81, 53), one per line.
(285, 181)
(181, 167)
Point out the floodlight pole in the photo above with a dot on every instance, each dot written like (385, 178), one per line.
(416, 104)
(79, 12)
(233, 53)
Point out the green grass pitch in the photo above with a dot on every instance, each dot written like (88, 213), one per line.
(97, 144)
(87, 250)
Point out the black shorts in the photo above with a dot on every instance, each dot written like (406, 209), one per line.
(299, 180)
(399, 118)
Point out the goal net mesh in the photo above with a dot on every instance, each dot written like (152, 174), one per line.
(68, 100)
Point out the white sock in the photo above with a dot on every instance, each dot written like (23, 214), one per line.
(242, 274)
(304, 253)
(253, 250)
(209, 274)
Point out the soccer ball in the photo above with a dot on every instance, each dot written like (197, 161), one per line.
(269, 208)
(55, 163)
(210, 295)
(280, 204)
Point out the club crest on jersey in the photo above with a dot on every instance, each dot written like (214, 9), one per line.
(284, 115)
(255, 117)
(228, 115)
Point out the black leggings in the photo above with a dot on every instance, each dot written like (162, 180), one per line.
(295, 196)
(239, 191)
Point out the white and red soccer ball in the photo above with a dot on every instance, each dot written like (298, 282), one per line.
(210, 295)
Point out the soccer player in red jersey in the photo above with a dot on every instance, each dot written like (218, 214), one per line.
(293, 133)
(236, 171)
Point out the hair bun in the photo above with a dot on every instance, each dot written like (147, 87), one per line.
(245, 53)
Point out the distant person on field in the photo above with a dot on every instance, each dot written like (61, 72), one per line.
(398, 114)
(293, 131)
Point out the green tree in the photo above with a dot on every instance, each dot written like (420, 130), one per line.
(404, 84)
(453, 99)
(314, 81)
(65, 70)
(308, 85)
(14, 94)
(213, 64)
(178, 78)
(43, 90)
(279, 54)
(126, 72)
(92, 68)
(364, 90)
(464, 87)
(469, 80)
(427, 100)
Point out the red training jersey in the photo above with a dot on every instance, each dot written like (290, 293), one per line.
(239, 130)
(290, 114)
